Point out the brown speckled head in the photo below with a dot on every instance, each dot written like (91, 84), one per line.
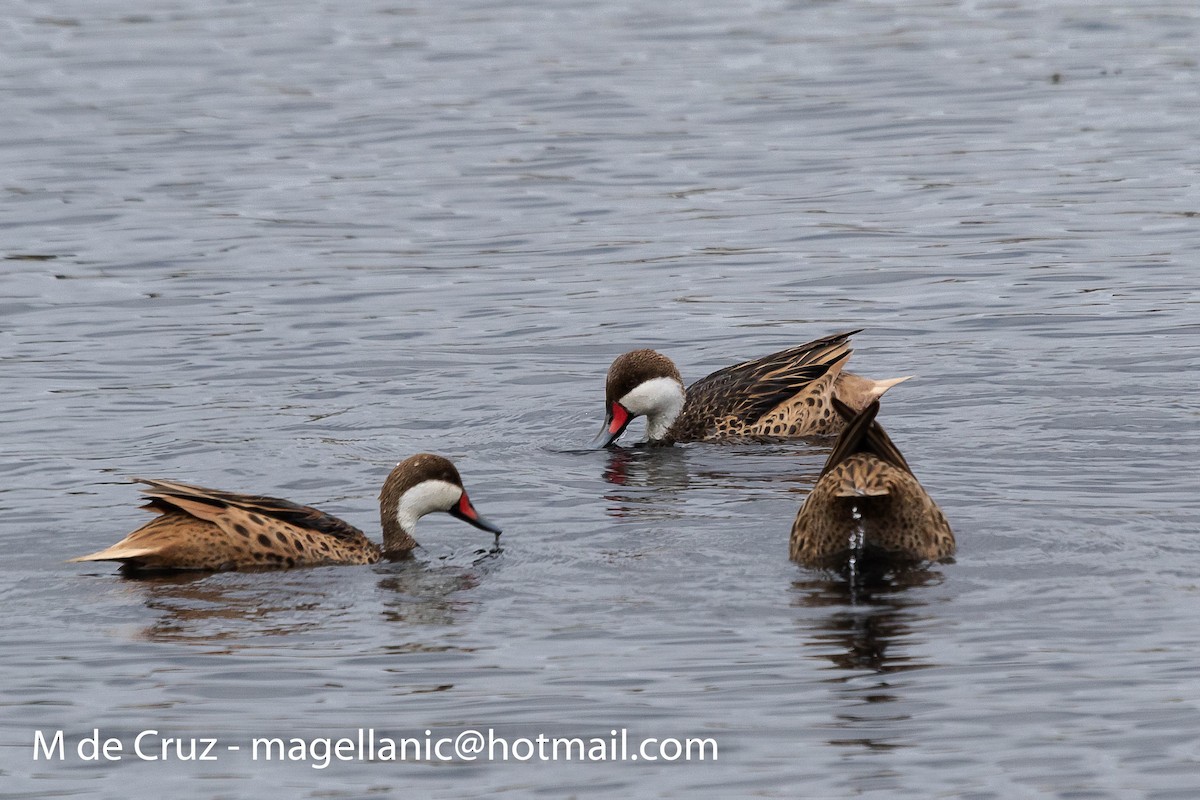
(413, 470)
(640, 382)
(417, 486)
(635, 368)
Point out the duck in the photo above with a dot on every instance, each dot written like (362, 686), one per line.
(783, 395)
(867, 505)
(212, 530)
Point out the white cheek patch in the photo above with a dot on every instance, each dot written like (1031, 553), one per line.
(659, 399)
(653, 396)
(427, 496)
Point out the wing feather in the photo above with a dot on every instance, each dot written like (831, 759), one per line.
(751, 390)
(207, 504)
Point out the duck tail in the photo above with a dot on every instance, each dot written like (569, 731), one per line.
(118, 552)
(879, 387)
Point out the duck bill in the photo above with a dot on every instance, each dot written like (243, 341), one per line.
(615, 422)
(467, 513)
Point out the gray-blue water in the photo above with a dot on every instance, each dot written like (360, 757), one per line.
(276, 247)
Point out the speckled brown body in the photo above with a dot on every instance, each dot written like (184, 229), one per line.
(207, 529)
(786, 394)
(867, 500)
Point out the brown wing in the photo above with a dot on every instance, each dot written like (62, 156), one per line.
(863, 434)
(752, 389)
(208, 503)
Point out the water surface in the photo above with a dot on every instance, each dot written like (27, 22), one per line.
(278, 248)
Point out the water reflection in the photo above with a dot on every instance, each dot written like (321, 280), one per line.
(868, 634)
(418, 594)
(875, 612)
(246, 607)
(650, 481)
(203, 607)
(646, 480)
(660, 467)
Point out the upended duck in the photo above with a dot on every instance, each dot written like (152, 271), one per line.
(867, 504)
(783, 395)
(207, 529)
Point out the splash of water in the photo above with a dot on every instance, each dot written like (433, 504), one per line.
(858, 541)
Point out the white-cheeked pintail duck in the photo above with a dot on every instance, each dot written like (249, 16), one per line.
(206, 529)
(783, 395)
(867, 504)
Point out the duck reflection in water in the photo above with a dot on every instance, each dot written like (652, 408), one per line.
(242, 610)
(645, 480)
(869, 613)
(655, 481)
(420, 594)
(657, 467)
(867, 626)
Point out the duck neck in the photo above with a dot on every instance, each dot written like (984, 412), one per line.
(657, 425)
(661, 400)
(396, 526)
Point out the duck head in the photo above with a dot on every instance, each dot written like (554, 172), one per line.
(420, 485)
(641, 383)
